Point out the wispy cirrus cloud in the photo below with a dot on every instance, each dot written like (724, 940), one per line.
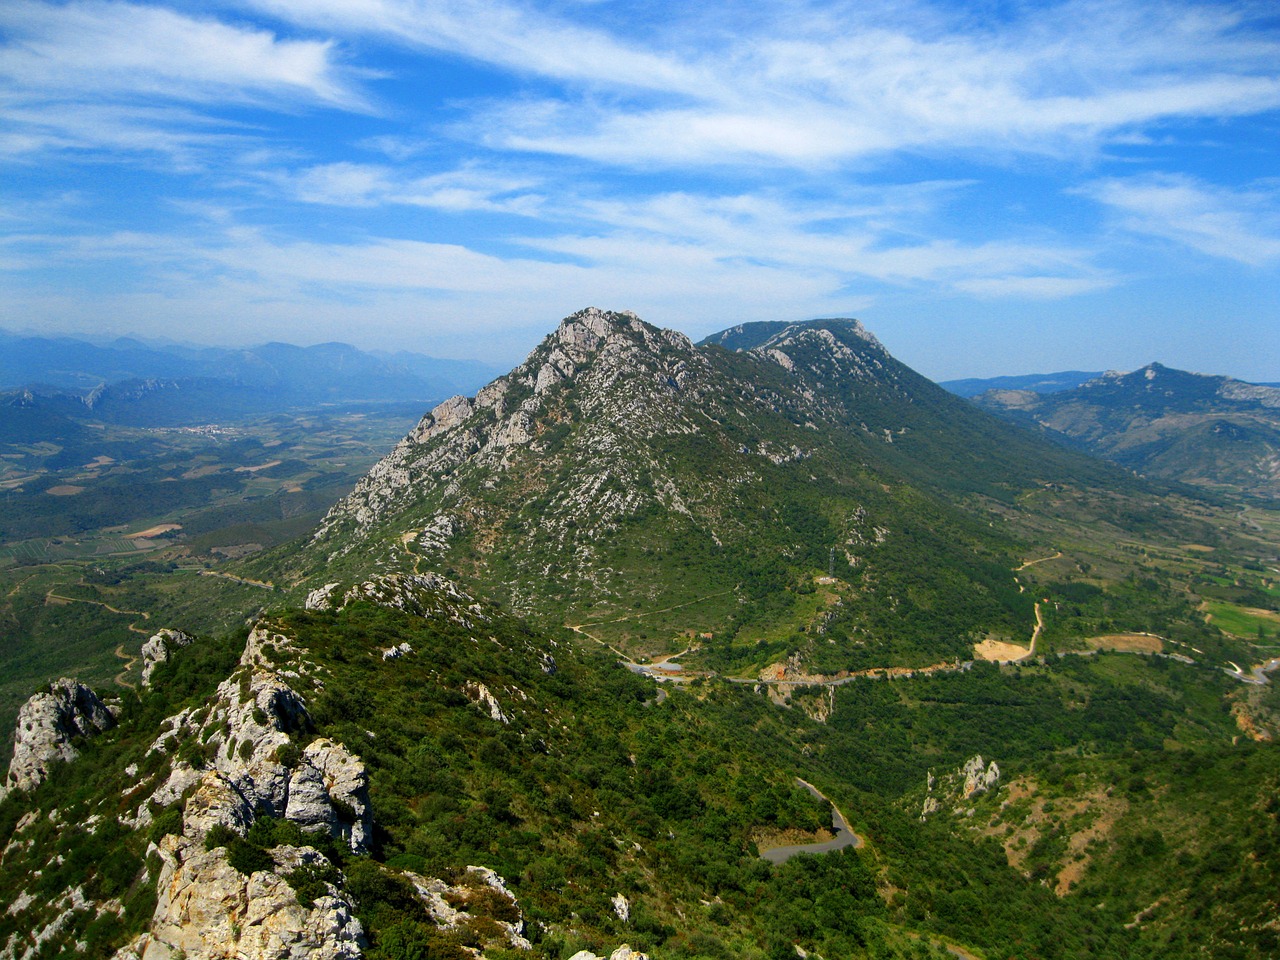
(801, 86)
(508, 35)
(130, 77)
(465, 189)
(1234, 224)
(102, 46)
(875, 234)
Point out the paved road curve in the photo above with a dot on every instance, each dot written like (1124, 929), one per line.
(844, 835)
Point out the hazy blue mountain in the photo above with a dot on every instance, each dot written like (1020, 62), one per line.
(130, 382)
(1035, 382)
(1212, 431)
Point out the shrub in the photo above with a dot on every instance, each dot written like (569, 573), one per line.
(170, 821)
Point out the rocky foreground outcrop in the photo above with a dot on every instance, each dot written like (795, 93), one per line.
(48, 725)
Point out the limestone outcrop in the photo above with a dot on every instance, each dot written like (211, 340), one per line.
(950, 789)
(422, 594)
(623, 952)
(158, 649)
(329, 789)
(247, 733)
(48, 725)
(978, 779)
(208, 909)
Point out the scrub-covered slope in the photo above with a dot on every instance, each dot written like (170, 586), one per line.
(622, 468)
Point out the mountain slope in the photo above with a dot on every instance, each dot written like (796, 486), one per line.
(621, 468)
(1210, 431)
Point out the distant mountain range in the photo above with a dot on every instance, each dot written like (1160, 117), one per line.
(1210, 431)
(1035, 382)
(130, 382)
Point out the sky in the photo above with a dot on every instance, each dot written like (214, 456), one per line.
(993, 187)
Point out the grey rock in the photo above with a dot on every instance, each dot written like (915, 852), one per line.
(48, 723)
(158, 649)
(978, 779)
(330, 790)
(206, 909)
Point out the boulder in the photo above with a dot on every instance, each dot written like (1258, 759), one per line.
(48, 724)
(158, 649)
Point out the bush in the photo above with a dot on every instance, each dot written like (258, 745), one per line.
(248, 858)
(168, 822)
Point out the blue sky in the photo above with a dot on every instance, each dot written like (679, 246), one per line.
(993, 187)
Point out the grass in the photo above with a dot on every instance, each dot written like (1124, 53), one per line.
(1242, 621)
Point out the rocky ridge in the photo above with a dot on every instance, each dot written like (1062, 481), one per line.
(631, 383)
(244, 759)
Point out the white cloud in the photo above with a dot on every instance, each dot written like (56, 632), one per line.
(499, 33)
(1033, 288)
(98, 47)
(461, 190)
(1239, 225)
(126, 77)
(813, 87)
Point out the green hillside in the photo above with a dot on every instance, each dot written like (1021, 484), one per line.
(621, 469)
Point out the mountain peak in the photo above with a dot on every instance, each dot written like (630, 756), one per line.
(583, 334)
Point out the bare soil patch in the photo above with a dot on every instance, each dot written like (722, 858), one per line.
(1126, 643)
(155, 531)
(65, 490)
(1000, 651)
(1088, 819)
(261, 466)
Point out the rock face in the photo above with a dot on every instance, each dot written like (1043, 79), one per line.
(248, 730)
(48, 724)
(156, 650)
(330, 789)
(978, 779)
(973, 777)
(207, 909)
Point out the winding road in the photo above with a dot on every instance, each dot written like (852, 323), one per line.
(129, 659)
(844, 835)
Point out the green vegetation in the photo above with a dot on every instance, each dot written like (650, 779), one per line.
(838, 518)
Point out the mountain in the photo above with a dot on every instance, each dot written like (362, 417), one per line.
(383, 760)
(1035, 382)
(129, 382)
(622, 468)
(1210, 431)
